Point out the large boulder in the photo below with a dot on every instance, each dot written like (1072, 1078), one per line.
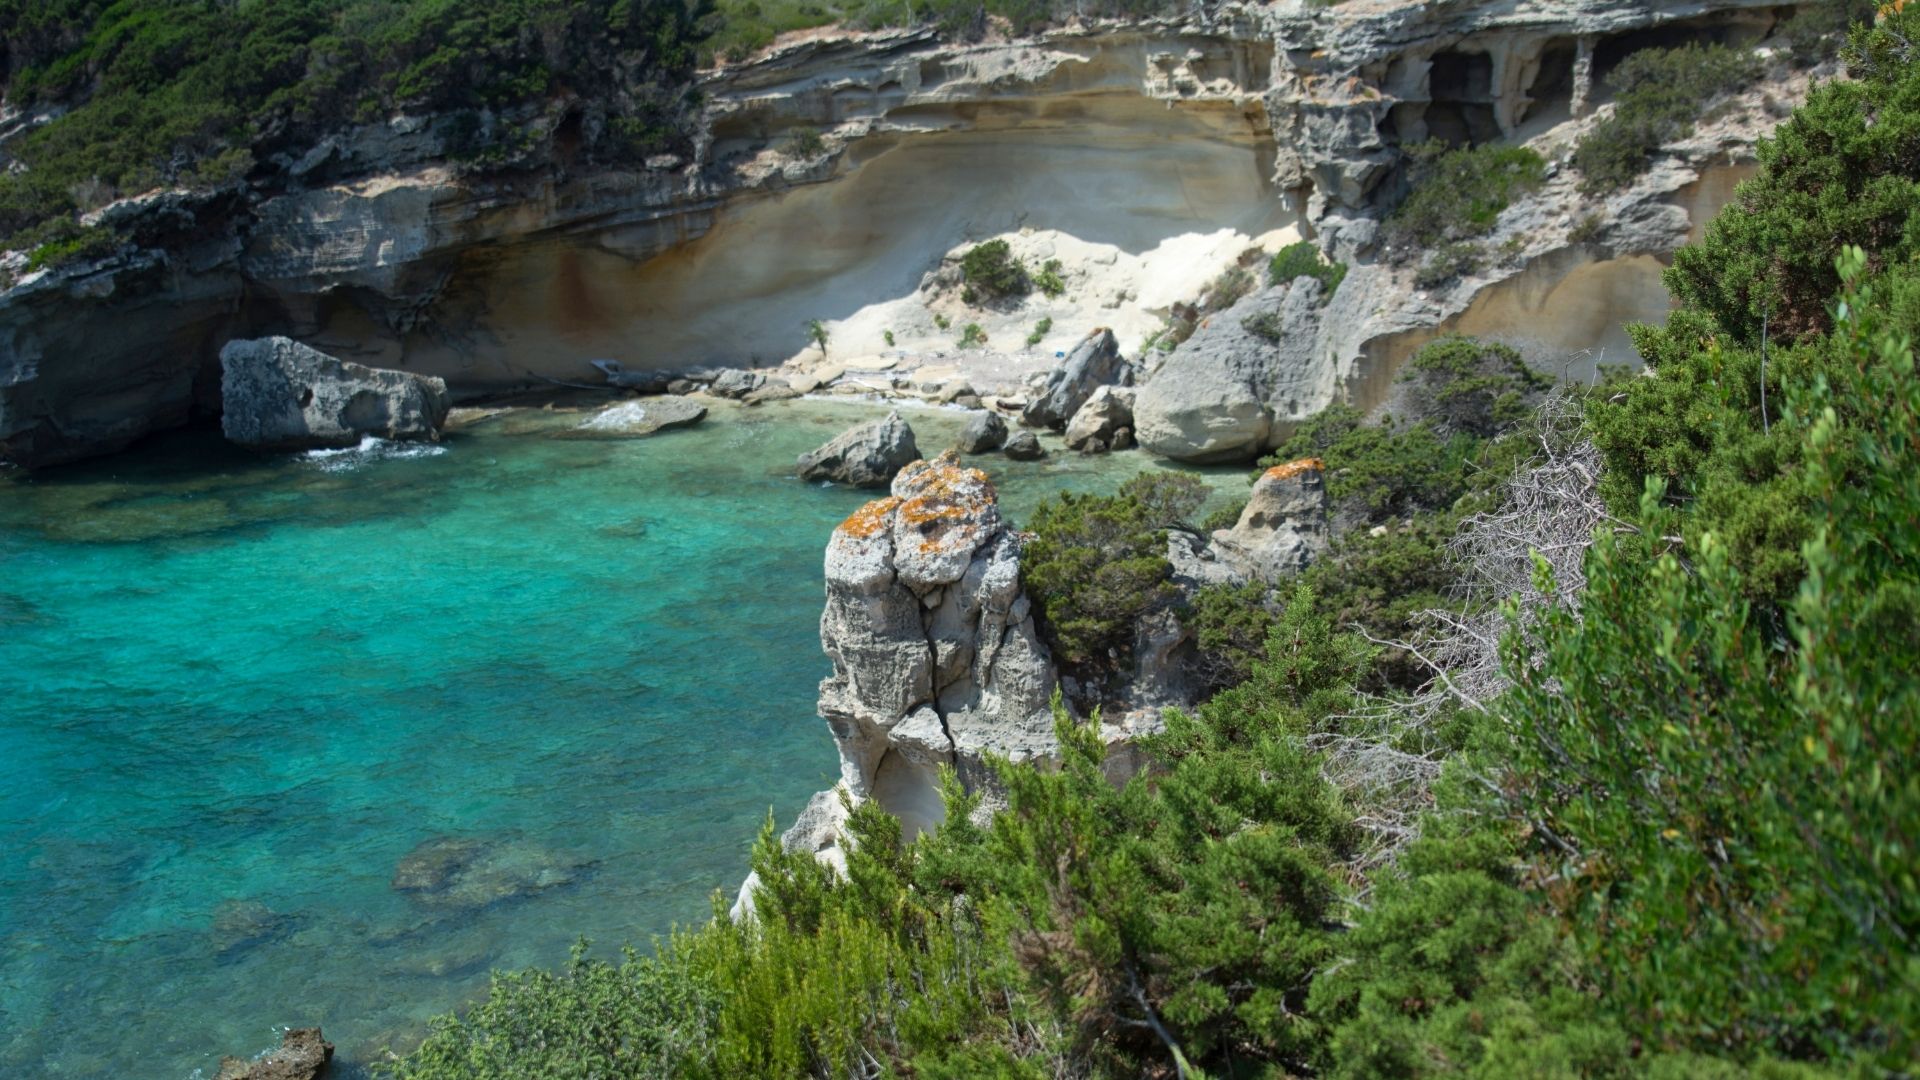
(1024, 446)
(303, 1054)
(637, 419)
(736, 383)
(984, 432)
(864, 456)
(1094, 363)
(277, 394)
(1108, 412)
(1225, 394)
(1284, 527)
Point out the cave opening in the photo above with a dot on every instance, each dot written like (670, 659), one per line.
(1550, 95)
(1734, 28)
(1460, 92)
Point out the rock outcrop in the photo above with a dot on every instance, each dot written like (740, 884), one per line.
(936, 660)
(277, 394)
(867, 455)
(1098, 423)
(1024, 446)
(1284, 526)
(985, 432)
(1094, 363)
(303, 1054)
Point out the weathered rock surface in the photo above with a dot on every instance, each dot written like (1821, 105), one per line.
(1024, 446)
(1220, 395)
(736, 383)
(303, 1054)
(1284, 527)
(277, 394)
(1096, 424)
(1094, 363)
(936, 659)
(637, 419)
(985, 432)
(469, 873)
(867, 455)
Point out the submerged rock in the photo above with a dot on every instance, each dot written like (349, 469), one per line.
(455, 872)
(1024, 446)
(241, 925)
(303, 1054)
(277, 394)
(864, 456)
(1094, 363)
(1284, 527)
(636, 419)
(984, 432)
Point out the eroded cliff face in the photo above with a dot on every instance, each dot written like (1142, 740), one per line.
(1128, 139)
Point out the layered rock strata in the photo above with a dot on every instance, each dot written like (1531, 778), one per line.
(373, 248)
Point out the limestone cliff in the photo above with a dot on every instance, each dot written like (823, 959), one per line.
(1236, 121)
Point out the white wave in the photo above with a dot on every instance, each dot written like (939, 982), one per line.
(619, 417)
(372, 448)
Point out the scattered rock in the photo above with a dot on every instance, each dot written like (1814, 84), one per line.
(647, 382)
(682, 386)
(1109, 410)
(774, 390)
(303, 1054)
(1094, 363)
(954, 390)
(636, 419)
(1122, 440)
(864, 456)
(1284, 527)
(984, 432)
(736, 383)
(1024, 446)
(277, 394)
(967, 401)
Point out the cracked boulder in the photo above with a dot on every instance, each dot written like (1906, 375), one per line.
(866, 455)
(936, 660)
(277, 394)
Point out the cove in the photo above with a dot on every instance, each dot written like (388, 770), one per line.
(241, 689)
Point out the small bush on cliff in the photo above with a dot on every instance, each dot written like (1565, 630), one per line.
(1097, 564)
(1659, 95)
(1457, 195)
(991, 272)
(1302, 259)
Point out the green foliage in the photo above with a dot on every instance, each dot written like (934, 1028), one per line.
(971, 336)
(1814, 31)
(1844, 169)
(1226, 290)
(1464, 385)
(887, 336)
(1448, 261)
(1658, 95)
(194, 93)
(1380, 471)
(804, 143)
(1265, 325)
(1230, 625)
(1588, 229)
(817, 333)
(1457, 195)
(1048, 280)
(943, 322)
(1302, 259)
(1733, 798)
(1040, 331)
(1097, 564)
(991, 272)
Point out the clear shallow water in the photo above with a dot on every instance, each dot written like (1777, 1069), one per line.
(239, 690)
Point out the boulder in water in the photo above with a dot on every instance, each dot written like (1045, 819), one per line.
(277, 394)
(303, 1054)
(736, 383)
(467, 873)
(1106, 413)
(637, 419)
(1024, 446)
(240, 925)
(864, 456)
(984, 432)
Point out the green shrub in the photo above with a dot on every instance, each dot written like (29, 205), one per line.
(1265, 325)
(803, 143)
(1230, 624)
(1225, 290)
(1815, 31)
(1457, 195)
(1097, 564)
(1476, 387)
(1040, 330)
(887, 336)
(1302, 259)
(943, 322)
(1048, 280)
(971, 336)
(1588, 229)
(991, 272)
(1447, 262)
(1658, 95)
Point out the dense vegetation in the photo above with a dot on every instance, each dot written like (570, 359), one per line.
(1455, 198)
(1658, 93)
(196, 92)
(1302, 259)
(1676, 839)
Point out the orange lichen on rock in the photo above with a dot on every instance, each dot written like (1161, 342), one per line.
(871, 519)
(946, 502)
(1293, 468)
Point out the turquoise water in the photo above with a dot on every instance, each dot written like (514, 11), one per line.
(240, 690)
